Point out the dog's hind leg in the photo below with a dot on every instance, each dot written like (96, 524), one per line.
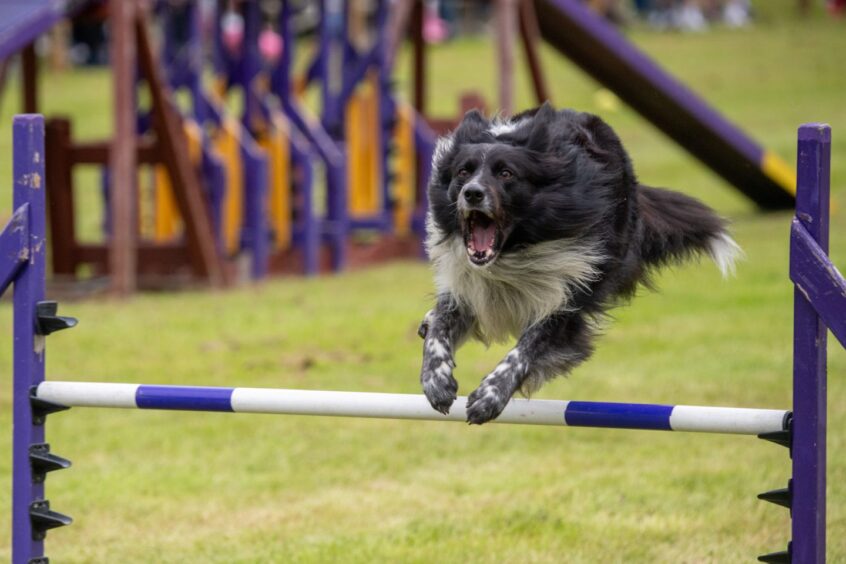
(554, 346)
(443, 329)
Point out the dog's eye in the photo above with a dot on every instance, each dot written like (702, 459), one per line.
(506, 174)
(463, 173)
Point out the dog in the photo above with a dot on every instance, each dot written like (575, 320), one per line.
(537, 226)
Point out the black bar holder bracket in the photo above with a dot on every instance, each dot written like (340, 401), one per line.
(781, 496)
(41, 408)
(43, 461)
(781, 557)
(43, 519)
(47, 320)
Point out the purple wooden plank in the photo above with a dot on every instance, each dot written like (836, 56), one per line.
(28, 175)
(14, 246)
(809, 357)
(819, 280)
(22, 22)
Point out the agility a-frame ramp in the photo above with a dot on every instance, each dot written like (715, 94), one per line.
(819, 304)
(606, 55)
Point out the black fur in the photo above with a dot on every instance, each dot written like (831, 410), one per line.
(545, 176)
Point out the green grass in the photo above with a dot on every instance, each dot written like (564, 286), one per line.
(176, 487)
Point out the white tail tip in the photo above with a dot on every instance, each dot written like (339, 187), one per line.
(725, 252)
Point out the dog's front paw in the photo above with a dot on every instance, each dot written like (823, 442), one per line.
(439, 386)
(486, 403)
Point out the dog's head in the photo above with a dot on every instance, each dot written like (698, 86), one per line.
(540, 176)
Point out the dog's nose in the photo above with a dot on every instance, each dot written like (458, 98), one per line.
(473, 195)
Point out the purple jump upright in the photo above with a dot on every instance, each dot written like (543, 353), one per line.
(28, 175)
(34, 320)
(818, 298)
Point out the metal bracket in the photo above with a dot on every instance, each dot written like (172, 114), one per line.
(782, 496)
(47, 320)
(782, 557)
(43, 461)
(43, 519)
(783, 437)
(41, 408)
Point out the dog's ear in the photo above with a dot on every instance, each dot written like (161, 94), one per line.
(539, 135)
(473, 128)
(591, 133)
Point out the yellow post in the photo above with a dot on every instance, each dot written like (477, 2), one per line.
(354, 135)
(405, 169)
(277, 146)
(227, 145)
(362, 127)
(372, 159)
(166, 220)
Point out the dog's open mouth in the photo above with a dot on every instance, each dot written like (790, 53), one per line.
(482, 238)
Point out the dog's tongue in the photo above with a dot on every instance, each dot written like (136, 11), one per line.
(483, 236)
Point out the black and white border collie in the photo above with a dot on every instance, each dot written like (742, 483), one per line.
(537, 226)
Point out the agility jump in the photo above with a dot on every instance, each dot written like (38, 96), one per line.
(820, 303)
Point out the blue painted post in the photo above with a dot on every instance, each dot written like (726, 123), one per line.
(280, 77)
(331, 66)
(424, 142)
(28, 178)
(255, 231)
(196, 55)
(387, 113)
(250, 63)
(307, 227)
(809, 357)
(215, 174)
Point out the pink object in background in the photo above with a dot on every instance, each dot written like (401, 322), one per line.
(270, 46)
(434, 28)
(232, 30)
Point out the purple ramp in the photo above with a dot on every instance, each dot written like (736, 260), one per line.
(602, 52)
(21, 22)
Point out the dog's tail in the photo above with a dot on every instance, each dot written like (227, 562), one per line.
(677, 227)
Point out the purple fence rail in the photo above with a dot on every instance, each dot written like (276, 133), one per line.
(820, 304)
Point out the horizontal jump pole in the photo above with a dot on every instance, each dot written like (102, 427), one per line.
(730, 420)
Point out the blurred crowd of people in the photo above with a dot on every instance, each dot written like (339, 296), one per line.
(445, 18)
(694, 15)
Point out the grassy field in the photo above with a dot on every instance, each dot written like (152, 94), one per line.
(162, 487)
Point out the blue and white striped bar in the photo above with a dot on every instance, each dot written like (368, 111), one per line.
(406, 406)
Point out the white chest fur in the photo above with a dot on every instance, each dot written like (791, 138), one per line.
(519, 288)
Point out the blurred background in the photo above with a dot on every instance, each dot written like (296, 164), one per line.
(236, 197)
